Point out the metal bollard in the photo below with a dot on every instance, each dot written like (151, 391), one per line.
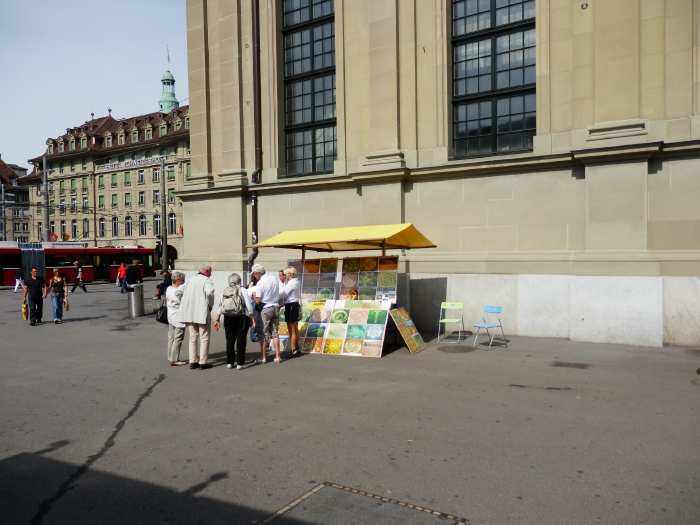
(136, 301)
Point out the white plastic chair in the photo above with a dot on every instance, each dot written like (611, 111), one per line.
(447, 309)
(490, 321)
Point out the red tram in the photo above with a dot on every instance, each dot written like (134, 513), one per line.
(99, 264)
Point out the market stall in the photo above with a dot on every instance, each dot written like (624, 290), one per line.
(347, 302)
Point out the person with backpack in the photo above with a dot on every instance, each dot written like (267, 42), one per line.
(236, 310)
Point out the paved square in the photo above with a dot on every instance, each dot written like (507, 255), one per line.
(97, 429)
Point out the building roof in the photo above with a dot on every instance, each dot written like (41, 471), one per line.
(6, 173)
(97, 129)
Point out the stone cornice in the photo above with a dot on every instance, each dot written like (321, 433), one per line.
(517, 163)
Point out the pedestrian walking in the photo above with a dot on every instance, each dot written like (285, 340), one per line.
(236, 310)
(291, 294)
(195, 307)
(121, 278)
(57, 288)
(176, 328)
(34, 291)
(78, 278)
(19, 279)
(267, 294)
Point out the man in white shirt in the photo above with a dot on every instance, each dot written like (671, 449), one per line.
(267, 293)
(195, 312)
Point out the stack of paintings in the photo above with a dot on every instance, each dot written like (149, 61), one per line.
(345, 313)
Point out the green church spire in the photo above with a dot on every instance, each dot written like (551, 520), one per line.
(168, 100)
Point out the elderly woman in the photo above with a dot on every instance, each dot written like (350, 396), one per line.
(176, 328)
(236, 309)
(290, 296)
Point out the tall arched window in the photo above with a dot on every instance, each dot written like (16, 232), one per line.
(86, 227)
(156, 225)
(172, 223)
(128, 226)
(101, 227)
(142, 225)
(115, 226)
(74, 228)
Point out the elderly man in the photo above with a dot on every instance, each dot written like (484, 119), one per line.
(267, 294)
(195, 312)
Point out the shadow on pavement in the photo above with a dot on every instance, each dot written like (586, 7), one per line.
(99, 497)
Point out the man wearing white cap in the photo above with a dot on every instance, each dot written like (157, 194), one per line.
(267, 293)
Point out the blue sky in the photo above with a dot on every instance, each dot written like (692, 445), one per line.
(61, 60)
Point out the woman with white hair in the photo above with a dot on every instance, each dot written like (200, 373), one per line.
(291, 294)
(236, 310)
(176, 328)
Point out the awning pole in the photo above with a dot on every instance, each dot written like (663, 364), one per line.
(383, 248)
(303, 256)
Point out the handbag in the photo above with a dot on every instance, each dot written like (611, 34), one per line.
(162, 314)
(25, 311)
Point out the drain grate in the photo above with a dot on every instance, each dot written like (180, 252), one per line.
(568, 364)
(339, 504)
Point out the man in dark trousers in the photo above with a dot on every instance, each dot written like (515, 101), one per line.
(34, 291)
(79, 278)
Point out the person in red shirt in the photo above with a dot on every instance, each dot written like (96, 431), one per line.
(121, 277)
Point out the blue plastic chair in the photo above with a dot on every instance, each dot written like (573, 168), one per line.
(493, 314)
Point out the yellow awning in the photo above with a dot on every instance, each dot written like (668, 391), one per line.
(387, 236)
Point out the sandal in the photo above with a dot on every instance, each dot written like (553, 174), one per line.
(277, 360)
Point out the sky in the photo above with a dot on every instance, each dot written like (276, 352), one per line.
(60, 60)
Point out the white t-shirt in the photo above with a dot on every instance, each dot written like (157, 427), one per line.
(291, 291)
(268, 290)
(173, 296)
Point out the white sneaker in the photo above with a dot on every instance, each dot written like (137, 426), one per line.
(239, 367)
(229, 366)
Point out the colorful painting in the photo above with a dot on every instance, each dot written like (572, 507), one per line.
(351, 265)
(302, 329)
(388, 263)
(333, 346)
(358, 316)
(316, 330)
(356, 331)
(336, 331)
(372, 349)
(313, 345)
(340, 316)
(326, 293)
(310, 281)
(349, 316)
(407, 329)
(368, 279)
(368, 264)
(368, 293)
(350, 280)
(376, 317)
(312, 266)
(327, 280)
(387, 280)
(375, 332)
(329, 265)
(353, 346)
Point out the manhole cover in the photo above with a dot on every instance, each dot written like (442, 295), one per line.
(567, 364)
(456, 349)
(340, 505)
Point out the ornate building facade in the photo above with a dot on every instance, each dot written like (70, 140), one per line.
(105, 178)
(15, 213)
(550, 148)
